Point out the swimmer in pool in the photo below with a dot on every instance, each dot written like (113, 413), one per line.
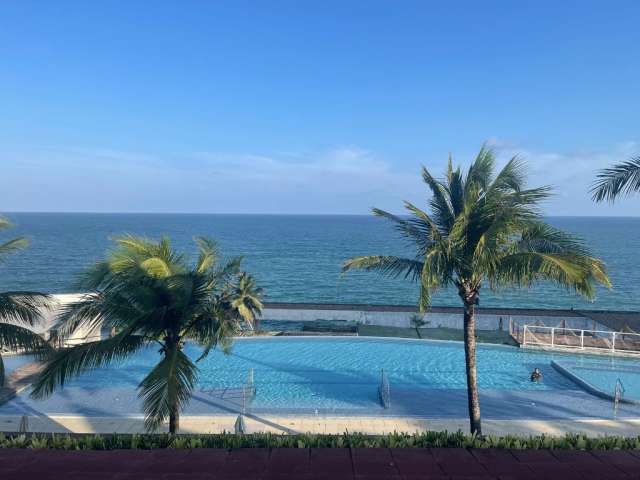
(536, 375)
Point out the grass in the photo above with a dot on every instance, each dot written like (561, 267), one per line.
(440, 333)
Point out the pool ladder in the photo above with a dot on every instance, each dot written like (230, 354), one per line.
(618, 394)
(384, 390)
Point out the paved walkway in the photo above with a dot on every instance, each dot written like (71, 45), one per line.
(307, 464)
(37, 423)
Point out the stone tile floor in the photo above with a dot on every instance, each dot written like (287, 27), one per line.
(308, 464)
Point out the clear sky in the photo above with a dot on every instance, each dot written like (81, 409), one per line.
(307, 106)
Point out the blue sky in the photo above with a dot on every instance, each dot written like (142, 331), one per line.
(307, 107)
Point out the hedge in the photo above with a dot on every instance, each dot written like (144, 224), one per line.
(347, 440)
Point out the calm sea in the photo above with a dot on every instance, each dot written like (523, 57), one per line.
(298, 258)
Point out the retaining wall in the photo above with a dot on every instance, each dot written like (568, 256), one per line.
(401, 316)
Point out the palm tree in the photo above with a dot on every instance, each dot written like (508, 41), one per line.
(147, 294)
(621, 179)
(20, 311)
(484, 229)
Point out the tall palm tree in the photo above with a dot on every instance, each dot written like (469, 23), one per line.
(484, 229)
(621, 179)
(147, 294)
(20, 311)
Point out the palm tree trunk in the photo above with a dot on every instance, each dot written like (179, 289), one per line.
(470, 360)
(174, 410)
(174, 419)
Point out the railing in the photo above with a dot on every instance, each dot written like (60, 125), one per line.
(248, 390)
(384, 390)
(618, 393)
(562, 338)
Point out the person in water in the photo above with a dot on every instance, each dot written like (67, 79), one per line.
(536, 375)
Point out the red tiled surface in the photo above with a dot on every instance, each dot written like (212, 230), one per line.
(309, 464)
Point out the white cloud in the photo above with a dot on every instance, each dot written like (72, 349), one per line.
(342, 180)
(347, 179)
(572, 174)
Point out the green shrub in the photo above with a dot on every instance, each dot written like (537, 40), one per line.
(347, 440)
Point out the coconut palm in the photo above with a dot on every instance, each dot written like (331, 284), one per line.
(20, 312)
(148, 294)
(247, 299)
(484, 229)
(621, 179)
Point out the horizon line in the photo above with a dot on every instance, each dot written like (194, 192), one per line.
(261, 214)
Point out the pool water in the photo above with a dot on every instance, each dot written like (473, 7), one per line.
(341, 375)
(13, 362)
(604, 373)
(342, 372)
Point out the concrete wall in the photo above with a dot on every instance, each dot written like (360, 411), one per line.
(390, 317)
(49, 319)
(432, 319)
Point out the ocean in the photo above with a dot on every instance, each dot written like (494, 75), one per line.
(297, 258)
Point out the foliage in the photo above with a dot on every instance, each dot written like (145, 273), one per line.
(346, 440)
(20, 311)
(485, 227)
(622, 179)
(148, 294)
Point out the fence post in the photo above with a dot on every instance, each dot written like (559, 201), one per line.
(582, 339)
(553, 333)
(524, 335)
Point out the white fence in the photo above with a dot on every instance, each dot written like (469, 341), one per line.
(600, 341)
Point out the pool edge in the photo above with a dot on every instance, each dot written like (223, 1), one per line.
(587, 386)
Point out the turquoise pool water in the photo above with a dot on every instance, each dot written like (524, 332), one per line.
(13, 362)
(602, 374)
(341, 375)
(341, 372)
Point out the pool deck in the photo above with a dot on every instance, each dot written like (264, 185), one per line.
(321, 463)
(321, 424)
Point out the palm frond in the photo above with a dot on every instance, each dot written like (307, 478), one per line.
(13, 246)
(246, 298)
(455, 187)
(69, 363)
(386, 265)
(167, 387)
(482, 227)
(423, 218)
(226, 272)
(21, 339)
(512, 177)
(441, 207)
(480, 172)
(208, 254)
(620, 180)
(546, 253)
(117, 308)
(24, 307)
(5, 223)
(213, 329)
(413, 229)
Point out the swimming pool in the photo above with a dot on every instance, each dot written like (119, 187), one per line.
(339, 375)
(603, 374)
(13, 362)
